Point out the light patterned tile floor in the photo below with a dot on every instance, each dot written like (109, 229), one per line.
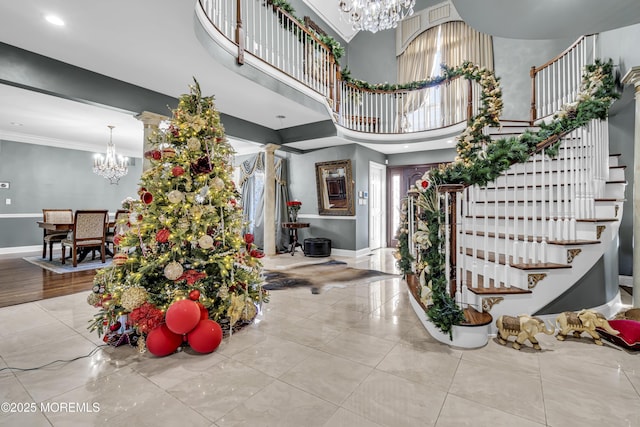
(352, 356)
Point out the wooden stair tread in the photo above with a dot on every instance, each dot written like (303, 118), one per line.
(573, 242)
(537, 239)
(612, 199)
(499, 291)
(597, 219)
(474, 317)
(540, 266)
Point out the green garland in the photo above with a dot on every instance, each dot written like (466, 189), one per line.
(481, 160)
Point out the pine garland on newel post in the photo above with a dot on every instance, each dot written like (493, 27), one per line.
(182, 267)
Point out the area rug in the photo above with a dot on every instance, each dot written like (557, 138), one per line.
(57, 267)
(321, 276)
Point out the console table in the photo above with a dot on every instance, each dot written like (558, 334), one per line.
(293, 228)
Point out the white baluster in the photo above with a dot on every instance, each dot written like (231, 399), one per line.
(542, 252)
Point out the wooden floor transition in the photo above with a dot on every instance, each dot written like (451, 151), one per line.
(22, 282)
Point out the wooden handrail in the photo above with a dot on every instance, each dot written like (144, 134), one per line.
(536, 70)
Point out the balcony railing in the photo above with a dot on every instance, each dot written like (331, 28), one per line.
(261, 29)
(557, 82)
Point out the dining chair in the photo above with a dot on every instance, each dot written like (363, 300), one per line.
(89, 231)
(54, 216)
(121, 226)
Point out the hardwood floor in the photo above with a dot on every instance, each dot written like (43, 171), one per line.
(22, 282)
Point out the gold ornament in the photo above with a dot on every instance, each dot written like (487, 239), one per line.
(205, 242)
(217, 183)
(235, 308)
(175, 196)
(120, 258)
(173, 270)
(142, 345)
(133, 298)
(250, 310)
(223, 292)
(93, 298)
(193, 144)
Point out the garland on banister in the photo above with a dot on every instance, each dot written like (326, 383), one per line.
(479, 161)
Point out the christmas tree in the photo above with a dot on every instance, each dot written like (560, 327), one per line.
(182, 243)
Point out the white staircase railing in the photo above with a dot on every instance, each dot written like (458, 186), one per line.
(557, 82)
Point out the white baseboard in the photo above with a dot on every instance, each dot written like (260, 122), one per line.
(20, 249)
(349, 253)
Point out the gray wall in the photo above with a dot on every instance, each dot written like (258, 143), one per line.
(372, 57)
(49, 177)
(621, 45)
(513, 60)
(422, 157)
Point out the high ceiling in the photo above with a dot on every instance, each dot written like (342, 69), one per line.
(152, 44)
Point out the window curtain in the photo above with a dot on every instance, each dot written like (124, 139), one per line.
(451, 44)
(252, 173)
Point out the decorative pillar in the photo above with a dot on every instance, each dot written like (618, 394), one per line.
(633, 77)
(269, 200)
(151, 122)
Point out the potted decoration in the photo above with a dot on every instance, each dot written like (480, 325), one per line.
(293, 206)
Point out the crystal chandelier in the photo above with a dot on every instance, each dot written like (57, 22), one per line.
(111, 167)
(376, 15)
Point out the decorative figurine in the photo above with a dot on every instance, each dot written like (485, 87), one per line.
(523, 327)
(583, 321)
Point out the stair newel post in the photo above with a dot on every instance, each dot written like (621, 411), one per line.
(448, 201)
(532, 73)
(239, 33)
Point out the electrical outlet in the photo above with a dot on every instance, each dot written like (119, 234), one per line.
(4, 185)
(7, 201)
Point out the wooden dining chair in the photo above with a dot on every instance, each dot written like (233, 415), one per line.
(120, 227)
(89, 231)
(54, 216)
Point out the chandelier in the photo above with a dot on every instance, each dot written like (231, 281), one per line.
(111, 167)
(376, 15)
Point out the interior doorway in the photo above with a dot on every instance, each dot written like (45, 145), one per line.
(399, 180)
(376, 198)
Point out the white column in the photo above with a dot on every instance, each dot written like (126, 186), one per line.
(151, 122)
(269, 200)
(633, 77)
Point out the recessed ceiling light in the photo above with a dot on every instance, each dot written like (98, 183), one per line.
(52, 19)
(406, 146)
(15, 124)
(450, 141)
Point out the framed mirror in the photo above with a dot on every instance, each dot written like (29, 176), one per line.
(335, 188)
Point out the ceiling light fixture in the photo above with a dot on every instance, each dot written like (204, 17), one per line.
(110, 167)
(52, 19)
(376, 15)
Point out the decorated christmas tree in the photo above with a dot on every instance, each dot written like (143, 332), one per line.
(181, 263)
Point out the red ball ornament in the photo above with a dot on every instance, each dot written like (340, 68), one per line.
(194, 295)
(205, 337)
(162, 342)
(204, 313)
(182, 316)
(177, 171)
(147, 197)
(115, 326)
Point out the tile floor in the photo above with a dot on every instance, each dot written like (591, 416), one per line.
(349, 356)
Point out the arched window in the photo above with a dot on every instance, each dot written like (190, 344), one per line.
(450, 43)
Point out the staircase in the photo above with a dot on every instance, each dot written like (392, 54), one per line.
(533, 234)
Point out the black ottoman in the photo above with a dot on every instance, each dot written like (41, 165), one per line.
(317, 246)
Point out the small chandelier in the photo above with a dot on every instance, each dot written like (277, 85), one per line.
(111, 167)
(376, 15)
